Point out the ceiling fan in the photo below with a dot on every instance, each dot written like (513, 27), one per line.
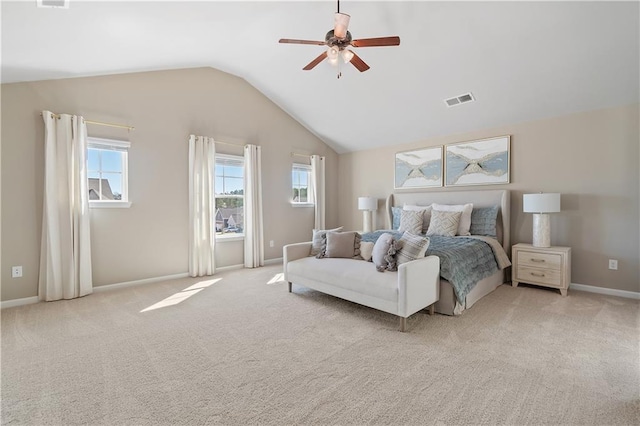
(338, 40)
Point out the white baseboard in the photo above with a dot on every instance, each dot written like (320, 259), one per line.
(139, 282)
(606, 291)
(19, 302)
(273, 261)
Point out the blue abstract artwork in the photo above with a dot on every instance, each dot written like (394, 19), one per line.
(482, 162)
(419, 168)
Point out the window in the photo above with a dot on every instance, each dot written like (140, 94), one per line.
(300, 182)
(229, 195)
(107, 171)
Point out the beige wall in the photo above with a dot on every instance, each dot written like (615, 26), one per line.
(590, 158)
(150, 238)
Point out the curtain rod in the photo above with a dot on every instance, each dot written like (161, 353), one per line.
(101, 123)
(225, 143)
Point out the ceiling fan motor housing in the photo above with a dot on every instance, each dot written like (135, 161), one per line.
(340, 43)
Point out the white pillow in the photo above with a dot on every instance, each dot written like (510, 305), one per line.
(366, 250)
(426, 218)
(465, 219)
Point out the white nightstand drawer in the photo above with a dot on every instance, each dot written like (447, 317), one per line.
(551, 277)
(539, 260)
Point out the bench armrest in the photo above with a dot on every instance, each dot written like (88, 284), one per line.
(418, 285)
(292, 252)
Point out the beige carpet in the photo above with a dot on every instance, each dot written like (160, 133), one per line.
(241, 351)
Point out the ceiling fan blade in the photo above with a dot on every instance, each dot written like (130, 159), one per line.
(294, 41)
(316, 61)
(377, 41)
(341, 25)
(359, 63)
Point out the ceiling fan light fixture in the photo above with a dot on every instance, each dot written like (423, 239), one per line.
(332, 53)
(347, 56)
(341, 25)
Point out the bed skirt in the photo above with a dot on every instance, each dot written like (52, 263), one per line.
(448, 305)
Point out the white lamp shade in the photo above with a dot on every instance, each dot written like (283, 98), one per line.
(541, 203)
(367, 203)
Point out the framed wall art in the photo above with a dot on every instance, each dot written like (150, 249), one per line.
(421, 168)
(481, 162)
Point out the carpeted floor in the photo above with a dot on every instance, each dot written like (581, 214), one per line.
(238, 350)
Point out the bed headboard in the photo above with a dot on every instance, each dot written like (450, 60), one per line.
(481, 198)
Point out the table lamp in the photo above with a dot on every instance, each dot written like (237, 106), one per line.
(541, 204)
(367, 205)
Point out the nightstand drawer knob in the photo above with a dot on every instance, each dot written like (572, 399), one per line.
(537, 275)
(537, 260)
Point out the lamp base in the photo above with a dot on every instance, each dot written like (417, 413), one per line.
(541, 230)
(366, 214)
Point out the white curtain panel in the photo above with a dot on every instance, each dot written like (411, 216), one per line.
(65, 252)
(253, 224)
(318, 190)
(202, 206)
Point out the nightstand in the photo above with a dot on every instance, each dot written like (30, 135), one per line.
(544, 266)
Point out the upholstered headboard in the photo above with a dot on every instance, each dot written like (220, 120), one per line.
(481, 198)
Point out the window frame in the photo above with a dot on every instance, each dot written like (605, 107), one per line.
(111, 145)
(240, 159)
(301, 167)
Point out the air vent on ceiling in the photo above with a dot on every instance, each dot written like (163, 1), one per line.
(54, 4)
(460, 99)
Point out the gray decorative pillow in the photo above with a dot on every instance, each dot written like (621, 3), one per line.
(383, 253)
(444, 223)
(484, 221)
(411, 221)
(395, 214)
(426, 215)
(318, 235)
(412, 247)
(341, 244)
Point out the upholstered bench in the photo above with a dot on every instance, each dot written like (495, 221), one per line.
(415, 285)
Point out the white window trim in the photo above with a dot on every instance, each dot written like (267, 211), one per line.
(305, 167)
(225, 238)
(113, 145)
(109, 204)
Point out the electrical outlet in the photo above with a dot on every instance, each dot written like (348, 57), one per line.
(613, 264)
(271, 243)
(16, 271)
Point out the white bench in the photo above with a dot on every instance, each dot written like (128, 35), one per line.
(415, 286)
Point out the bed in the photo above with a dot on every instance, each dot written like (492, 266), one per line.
(449, 303)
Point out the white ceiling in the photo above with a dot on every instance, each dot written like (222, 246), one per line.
(521, 60)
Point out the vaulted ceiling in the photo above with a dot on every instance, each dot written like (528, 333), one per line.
(521, 60)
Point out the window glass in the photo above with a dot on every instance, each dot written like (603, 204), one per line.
(300, 180)
(229, 181)
(107, 168)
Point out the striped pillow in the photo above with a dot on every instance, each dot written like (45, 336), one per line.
(412, 247)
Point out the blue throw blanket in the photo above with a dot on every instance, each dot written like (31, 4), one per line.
(463, 261)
